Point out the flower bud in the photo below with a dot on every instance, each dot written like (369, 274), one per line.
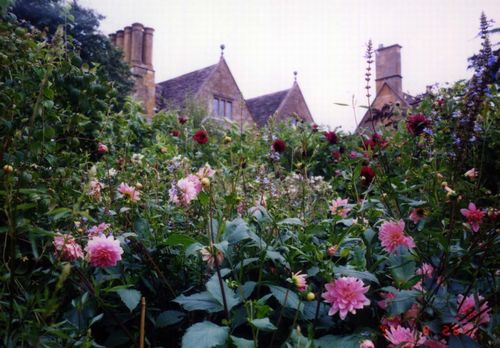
(205, 182)
(7, 169)
(102, 148)
(139, 186)
(331, 250)
(227, 139)
(310, 296)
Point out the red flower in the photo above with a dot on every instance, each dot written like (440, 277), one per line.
(417, 123)
(175, 133)
(279, 145)
(375, 140)
(331, 137)
(182, 119)
(336, 155)
(367, 175)
(201, 137)
(314, 127)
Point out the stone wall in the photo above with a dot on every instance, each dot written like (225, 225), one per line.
(222, 84)
(294, 103)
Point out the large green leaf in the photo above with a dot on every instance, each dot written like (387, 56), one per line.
(286, 297)
(263, 324)
(201, 301)
(205, 335)
(402, 301)
(213, 287)
(236, 231)
(242, 342)
(130, 297)
(169, 318)
(351, 272)
(291, 221)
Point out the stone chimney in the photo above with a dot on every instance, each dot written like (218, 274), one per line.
(388, 68)
(136, 42)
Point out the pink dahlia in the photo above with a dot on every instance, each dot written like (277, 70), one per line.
(403, 338)
(97, 230)
(299, 280)
(103, 251)
(425, 270)
(416, 215)
(474, 216)
(129, 192)
(367, 344)
(391, 235)
(472, 173)
(339, 207)
(346, 294)
(95, 189)
(208, 256)
(185, 190)
(205, 172)
(468, 315)
(67, 247)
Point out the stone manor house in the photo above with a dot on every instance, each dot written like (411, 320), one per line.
(215, 87)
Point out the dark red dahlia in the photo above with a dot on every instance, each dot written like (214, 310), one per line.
(336, 155)
(367, 175)
(182, 119)
(201, 137)
(314, 127)
(279, 146)
(331, 137)
(175, 133)
(375, 140)
(417, 123)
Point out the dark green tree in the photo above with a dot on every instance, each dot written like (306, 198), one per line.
(82, 27)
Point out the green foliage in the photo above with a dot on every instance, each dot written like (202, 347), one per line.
(222, 267)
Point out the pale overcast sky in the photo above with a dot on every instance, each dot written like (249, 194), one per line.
(325, 41)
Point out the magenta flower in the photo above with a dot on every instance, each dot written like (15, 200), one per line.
(129, 192)
(299, 280)
(402, 337)
(339, 207)
(469, 317)
(346, 294)
(391, 235)
(474, 216)
(104, 251)
(67, 247)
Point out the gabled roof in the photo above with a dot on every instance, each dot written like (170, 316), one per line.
(406, 99)
(264, 106)
(175, 92)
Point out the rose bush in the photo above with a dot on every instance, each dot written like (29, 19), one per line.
(245, 238)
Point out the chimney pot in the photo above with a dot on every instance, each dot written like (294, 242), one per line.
(119, 39)
(136, 43)
(127, 38)
(147, 52)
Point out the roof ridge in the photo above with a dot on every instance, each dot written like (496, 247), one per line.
(269, 94)
(188, 73)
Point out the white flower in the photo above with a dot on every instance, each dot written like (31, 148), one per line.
(137, 158)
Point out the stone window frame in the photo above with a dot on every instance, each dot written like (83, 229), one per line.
(225, 101)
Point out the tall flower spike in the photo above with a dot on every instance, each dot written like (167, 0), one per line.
(368, 74)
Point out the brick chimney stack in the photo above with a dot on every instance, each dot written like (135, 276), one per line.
(136, 42)
(388, 68)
